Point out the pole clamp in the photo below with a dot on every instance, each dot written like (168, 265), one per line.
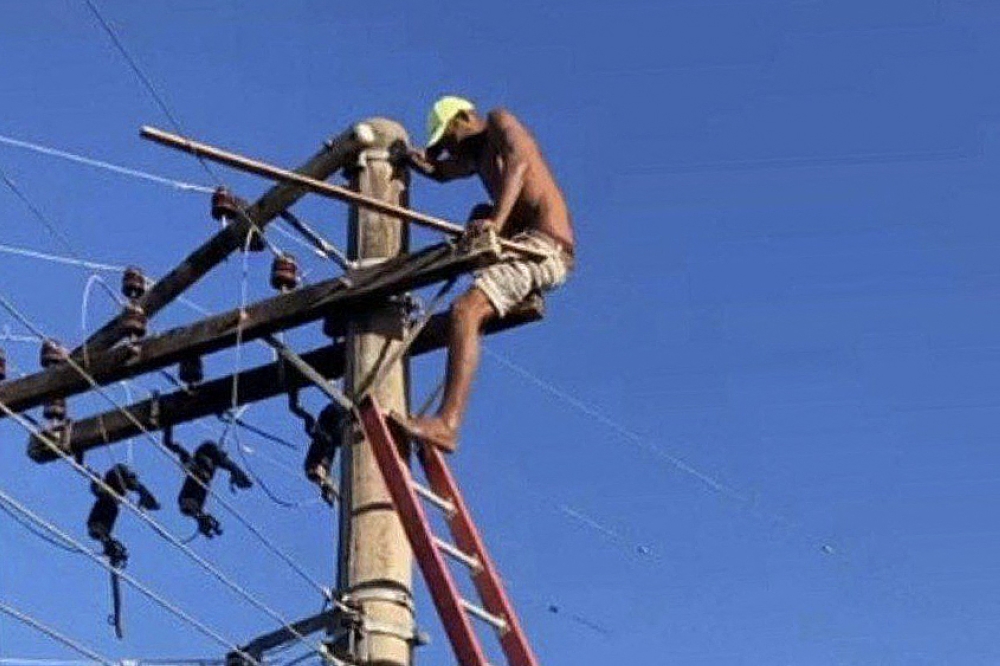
(397, 597)
(411, 635)
(374, 155)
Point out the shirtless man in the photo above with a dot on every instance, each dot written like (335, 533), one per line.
(527, 206)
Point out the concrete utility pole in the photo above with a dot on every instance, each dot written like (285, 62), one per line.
(375, 564)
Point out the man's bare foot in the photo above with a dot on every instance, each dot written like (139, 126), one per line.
(434, 431)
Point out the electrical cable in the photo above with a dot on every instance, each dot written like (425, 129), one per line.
(107, 166)
(7, 305)
(162, 532)
(132, 580)
(61, 638)
(145, 80)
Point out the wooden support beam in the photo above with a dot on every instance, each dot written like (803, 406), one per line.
(256, 384)
(331, 297)
(315, 186)
(336, 153)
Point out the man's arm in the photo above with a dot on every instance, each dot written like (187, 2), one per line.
(513, 143)
(442, 171)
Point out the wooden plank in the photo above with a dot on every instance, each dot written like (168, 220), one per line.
(368, 286)
(328, 190)
(336, 154)
(256, 384)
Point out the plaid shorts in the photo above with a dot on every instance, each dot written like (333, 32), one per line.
(508, 283)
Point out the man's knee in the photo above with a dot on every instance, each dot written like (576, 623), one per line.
(472, 309)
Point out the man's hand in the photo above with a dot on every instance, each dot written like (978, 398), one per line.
(480, 227)
(430, 164)
(419, 160)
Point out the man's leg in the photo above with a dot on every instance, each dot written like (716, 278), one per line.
(468, 315)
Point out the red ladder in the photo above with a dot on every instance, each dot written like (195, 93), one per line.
(468, 548)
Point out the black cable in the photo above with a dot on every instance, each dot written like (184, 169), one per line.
(146, 82)
(260, 432)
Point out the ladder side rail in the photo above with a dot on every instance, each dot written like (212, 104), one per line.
(487, 580)
(442, 586)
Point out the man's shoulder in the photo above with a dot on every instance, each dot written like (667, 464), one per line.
(502, 117)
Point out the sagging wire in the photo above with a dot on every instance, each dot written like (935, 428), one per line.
(36, 532)
(253, 529)
(161, 601)
(156, 526)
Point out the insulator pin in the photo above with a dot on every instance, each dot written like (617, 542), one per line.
(191, 371)
(52, 353)
(133, 283)
(134, 321)
(284, 273)
(225, 204)
(55, 411)
(228, 206)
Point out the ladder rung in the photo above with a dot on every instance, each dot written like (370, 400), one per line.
(470, 561)
(438, 501)
(489, 618)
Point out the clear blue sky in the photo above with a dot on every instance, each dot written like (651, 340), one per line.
(787, 216)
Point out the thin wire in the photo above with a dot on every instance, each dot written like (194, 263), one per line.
(161, 531)
(271, 495)
(107, 166)
(34, 531)
(653, 449)
(260, 432)
(84, 307)
(54, 258)
(132, 580)
(65, 640)
(145, 81)
(7, 336)
(29, 661)
(277, 226)
(39, 215)
(238, 349)
(17, 314)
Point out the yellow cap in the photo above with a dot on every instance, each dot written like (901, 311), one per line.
(442, 113)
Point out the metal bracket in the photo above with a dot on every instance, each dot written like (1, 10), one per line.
(369, 262)
(397, 597)
(374, 155)
(411, 635)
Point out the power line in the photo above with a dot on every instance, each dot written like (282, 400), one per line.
(17, 314)
(650, 447)
(132, 580)
(39, 215)
(54, 258)
(65, 640)
(145, 80)
(161, 531)
(106, 166)
(36, 532)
